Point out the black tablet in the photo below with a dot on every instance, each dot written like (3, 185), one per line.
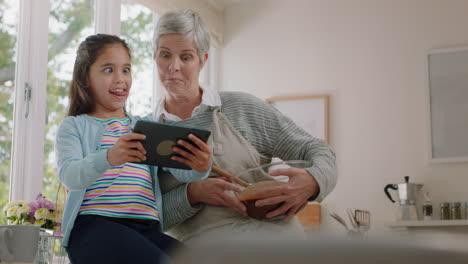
(160, 138)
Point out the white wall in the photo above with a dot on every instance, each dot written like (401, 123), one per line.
(369, 56)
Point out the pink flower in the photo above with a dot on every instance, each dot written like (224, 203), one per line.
(41, 212)
(41, 202)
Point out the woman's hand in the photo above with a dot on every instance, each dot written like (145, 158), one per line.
(216, 191)
(199, 159)
(294, 194)
(128, 148)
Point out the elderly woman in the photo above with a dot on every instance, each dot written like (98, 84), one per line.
(246, 132)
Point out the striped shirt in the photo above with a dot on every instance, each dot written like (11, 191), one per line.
(124, 191)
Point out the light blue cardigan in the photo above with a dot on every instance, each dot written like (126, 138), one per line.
(80, 163)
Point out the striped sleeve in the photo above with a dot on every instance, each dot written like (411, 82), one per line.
(177, 207)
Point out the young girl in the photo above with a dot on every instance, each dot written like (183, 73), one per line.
(114, 210)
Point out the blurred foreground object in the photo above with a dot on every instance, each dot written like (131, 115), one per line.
(263, 249)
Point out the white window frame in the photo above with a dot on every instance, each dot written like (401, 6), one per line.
(31, 68)
(210, 71)
(156, 89)
(27, 159)
(108, 16)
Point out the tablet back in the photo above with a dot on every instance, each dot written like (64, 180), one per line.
(160, 138)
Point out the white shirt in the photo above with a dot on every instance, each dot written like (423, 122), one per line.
(210, 98)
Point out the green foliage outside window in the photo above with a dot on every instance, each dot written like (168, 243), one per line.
(7, 70)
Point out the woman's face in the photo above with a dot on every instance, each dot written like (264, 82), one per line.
(178, 64)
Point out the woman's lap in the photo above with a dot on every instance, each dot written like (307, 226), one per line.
(98, 239)
(248, 229)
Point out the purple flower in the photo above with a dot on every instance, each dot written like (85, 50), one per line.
(34, 206)
(47, 212)
(41, 202)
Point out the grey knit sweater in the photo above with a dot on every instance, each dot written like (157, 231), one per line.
(271, 133)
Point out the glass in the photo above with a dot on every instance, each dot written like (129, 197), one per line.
(466, 210)
(49, 250)
(70, 21)
(455, 211)
(45, 252)
(427, 211)
(444, 211)
(137, 26)
(8, 15)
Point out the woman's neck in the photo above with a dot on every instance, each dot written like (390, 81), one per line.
(182, 105)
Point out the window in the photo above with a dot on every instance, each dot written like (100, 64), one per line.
(70, 21)
(137, 26)
(48, 36)
(8, 13)
(45, 44)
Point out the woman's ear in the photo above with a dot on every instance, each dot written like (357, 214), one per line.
(205, 58)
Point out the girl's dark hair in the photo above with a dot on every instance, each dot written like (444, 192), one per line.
(81, 97)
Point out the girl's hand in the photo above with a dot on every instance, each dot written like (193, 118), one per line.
(199, 159)
(128, 148)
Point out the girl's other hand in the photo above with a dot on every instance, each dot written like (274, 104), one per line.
(128, 148)
(199, 159)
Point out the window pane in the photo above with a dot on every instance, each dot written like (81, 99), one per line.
(137, 29)
(8, 15)
(70, 22)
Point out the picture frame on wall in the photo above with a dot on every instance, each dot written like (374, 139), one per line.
(310, 112)
(448, 104)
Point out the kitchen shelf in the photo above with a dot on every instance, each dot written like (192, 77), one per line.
(427, 223)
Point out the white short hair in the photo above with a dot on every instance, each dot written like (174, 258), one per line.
(186, 22)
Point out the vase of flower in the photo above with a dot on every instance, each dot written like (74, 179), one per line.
(43, 213)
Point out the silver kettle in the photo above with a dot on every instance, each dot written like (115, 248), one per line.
(408, 193)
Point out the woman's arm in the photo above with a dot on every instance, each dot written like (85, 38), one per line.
(176, 207)
(215, 191)
(275, 135)
(188, 175)
(307, 147)
(290, 142)
(186, 200)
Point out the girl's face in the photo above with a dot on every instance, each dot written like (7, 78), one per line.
(178, 64)
(110, 79)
